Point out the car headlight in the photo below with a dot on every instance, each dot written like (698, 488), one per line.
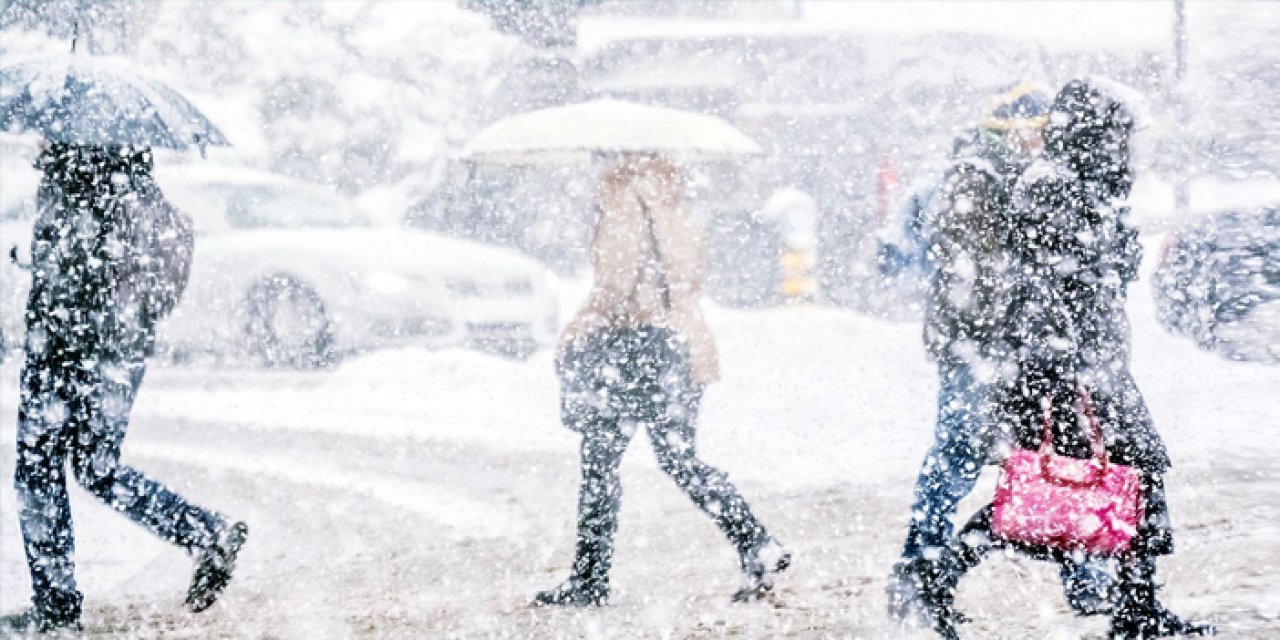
(386, 282)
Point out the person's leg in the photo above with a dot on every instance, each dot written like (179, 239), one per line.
(48, 406)
(951, 468)
(604, 440)
(1138, 614)
(599, 499)
(95, 458)
(1087, 583)
(672, 433)
(949, 472)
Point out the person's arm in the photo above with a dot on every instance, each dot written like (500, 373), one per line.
(615, 258)
(1129, 252)
(959, 243)
(680, 244)
(1052, 250)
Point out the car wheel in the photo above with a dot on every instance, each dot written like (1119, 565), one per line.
(288, 325)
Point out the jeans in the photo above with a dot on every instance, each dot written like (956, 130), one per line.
(649, 389)
(962, 440)
(77, 411)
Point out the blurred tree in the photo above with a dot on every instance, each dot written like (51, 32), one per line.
(541, 23)
(102, 26)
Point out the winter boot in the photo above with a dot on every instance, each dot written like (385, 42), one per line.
(1139, 616)
(574, 593)
(759, 566)
(588, 585)
(34, 621)
(922, 591)
(1088, 592)
(214, 567)
(903, 592)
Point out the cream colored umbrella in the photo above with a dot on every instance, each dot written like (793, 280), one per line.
(576, 132)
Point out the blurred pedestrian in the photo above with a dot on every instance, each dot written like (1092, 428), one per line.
(638, 355)
(1075, 257)
(966, 303)
(110, 258)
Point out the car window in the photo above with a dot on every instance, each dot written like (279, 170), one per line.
(271, 207)
(276, 207)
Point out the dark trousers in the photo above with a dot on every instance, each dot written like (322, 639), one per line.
(641, 381)
(77, 412)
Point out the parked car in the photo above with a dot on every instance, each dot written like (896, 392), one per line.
(294, 275)
(1218, 281)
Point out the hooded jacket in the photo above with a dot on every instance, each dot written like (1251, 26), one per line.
(1076, 255)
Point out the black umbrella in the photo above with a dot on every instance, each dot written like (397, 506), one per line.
(88, 101)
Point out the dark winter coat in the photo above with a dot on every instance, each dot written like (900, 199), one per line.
(110, 257)
(1075, 257)
(967, 297)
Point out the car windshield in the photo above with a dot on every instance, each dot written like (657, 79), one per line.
(276, 207)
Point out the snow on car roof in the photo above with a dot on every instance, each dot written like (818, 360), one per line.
(206, 173)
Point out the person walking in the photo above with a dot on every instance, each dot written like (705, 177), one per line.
(1076, 255)
(966, 302)
(110, 258)
(639, 355)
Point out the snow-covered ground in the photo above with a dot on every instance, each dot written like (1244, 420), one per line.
(425, 494)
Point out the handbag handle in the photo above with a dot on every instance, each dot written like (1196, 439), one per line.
(661, 268)
(1096, 442)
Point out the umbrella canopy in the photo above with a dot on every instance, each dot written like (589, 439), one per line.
(575, 132)
(84, 100)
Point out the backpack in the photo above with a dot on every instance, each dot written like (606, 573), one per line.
(157, 263)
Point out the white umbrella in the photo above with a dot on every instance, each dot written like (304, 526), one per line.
(575, 132)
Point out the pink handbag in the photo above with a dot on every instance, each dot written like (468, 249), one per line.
(1067, 503)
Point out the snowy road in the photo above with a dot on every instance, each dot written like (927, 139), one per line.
(429, 494)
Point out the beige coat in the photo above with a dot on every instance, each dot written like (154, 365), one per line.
(627, 294)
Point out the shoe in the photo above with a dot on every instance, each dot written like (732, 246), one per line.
(759, 566)
(921, 592)
(903, 593)
(573, 593)
(1138, 613)
(1092, 596)
(33, 621)
(1155, 622)
(214, 567)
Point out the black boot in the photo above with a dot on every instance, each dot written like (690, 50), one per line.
(573, 593)
(1139, 615)
(54, 611)
(35, 621)
(759, 565)
(588, 584)
(922, 591)
(214, 567)
(1093, 594)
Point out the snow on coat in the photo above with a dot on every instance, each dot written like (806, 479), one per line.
(1075, 258)
(110, 256)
